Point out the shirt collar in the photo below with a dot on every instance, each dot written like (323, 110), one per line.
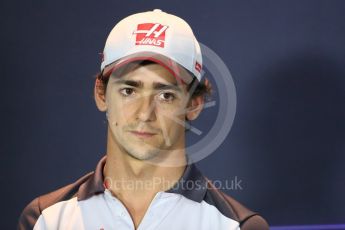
(94, 184)
(192, 184)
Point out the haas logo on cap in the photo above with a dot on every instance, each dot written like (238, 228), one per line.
(150, 34)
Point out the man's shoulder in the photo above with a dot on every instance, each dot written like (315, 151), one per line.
(33, 210)
(233, 209)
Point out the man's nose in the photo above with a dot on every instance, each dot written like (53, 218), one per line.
(147, 108)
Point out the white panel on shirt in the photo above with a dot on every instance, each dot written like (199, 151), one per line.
(167, 211)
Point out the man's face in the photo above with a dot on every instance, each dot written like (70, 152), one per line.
(146, 111)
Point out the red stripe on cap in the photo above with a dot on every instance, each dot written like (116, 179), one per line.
(169, 68)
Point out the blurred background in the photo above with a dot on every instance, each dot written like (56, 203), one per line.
(287, 60)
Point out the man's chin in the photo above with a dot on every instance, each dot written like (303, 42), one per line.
(144, 155)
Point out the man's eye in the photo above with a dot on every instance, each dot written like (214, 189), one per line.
(127, 91)
(167, 97)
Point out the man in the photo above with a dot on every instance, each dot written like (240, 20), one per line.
(149, 86)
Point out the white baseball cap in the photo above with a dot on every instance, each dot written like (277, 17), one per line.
(157, 36)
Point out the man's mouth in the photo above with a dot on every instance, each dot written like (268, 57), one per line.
(142, 134)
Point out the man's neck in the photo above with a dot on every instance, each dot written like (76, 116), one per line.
(132, 176)
(136, 182)
(125, 174)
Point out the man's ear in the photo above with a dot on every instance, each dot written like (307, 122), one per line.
(99, 94)
(194, 108)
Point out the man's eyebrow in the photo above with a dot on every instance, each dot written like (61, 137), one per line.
(137, 84)
(159, 86)
(156, 85)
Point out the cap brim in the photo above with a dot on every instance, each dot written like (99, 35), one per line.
(179, 72)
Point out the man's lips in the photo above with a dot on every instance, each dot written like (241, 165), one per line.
(143, 134)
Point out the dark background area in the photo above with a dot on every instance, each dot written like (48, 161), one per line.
(287, 59)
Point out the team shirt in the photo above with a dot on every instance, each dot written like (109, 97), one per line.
(88, 204)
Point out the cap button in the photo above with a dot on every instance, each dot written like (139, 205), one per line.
(157, 10)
